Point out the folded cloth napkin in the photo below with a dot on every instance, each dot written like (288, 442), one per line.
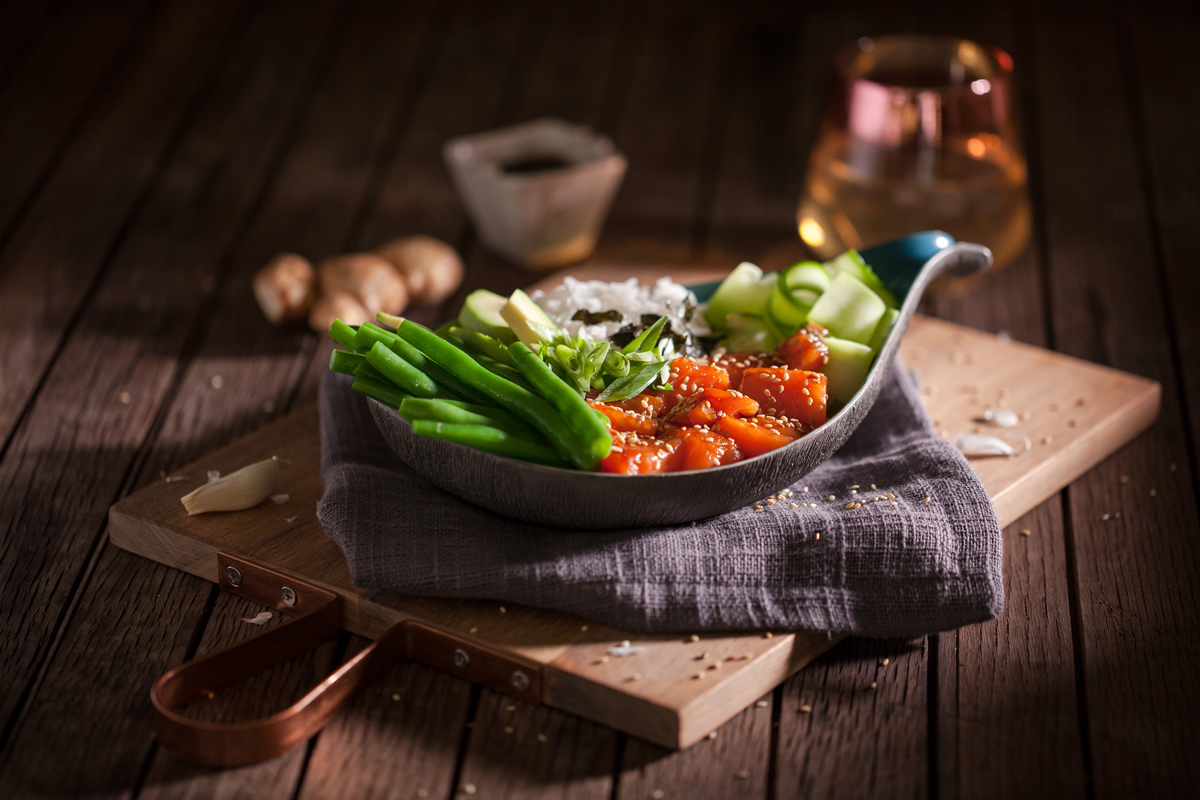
(925, 557)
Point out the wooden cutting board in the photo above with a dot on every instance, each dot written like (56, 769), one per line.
(1074, 412)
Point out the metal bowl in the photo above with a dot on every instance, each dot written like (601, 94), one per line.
(565, 498)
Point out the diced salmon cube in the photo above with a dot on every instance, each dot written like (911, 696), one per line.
(620, 419)
(637, 455)
(756, 435)
(689, 378)
(730, 401)
(737, 363)
(702, 448)
(805, 349)
(798, 395)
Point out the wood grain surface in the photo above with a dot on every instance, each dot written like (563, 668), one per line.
(154, 154)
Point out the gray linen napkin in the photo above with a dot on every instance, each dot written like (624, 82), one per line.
(895, 567)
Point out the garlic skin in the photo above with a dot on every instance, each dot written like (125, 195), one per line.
(245, 488)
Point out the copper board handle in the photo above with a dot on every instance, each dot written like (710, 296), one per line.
(318, 619)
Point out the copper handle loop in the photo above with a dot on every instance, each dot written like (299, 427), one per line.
(232, 744)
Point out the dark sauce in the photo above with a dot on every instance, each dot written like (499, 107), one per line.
(530, 165)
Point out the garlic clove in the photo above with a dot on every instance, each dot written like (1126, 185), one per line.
(245, 488)
(1001, 417)
(978, 444)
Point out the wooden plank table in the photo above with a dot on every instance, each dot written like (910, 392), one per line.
(153, 155)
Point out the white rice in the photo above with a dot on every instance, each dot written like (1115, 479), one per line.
(665, 299)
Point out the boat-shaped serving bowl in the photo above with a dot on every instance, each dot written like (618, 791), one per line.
(563, 498)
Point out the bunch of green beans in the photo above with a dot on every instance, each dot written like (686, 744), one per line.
(516, 407)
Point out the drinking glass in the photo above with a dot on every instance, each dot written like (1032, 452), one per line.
(918, 133)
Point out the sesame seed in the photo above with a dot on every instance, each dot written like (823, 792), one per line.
(885, 662)
(1047, 440)
(712, 734)
(541, 737)
(1154, 492)
(473, 630)
(503, 610)
(395, 698)
(831, 497)
(768, 635)
(891, 496)
(510, 708)
(793, 505)
(874, 685)
(805, 709)
(895, 503)
(694, 638)
(699, 676)
(817, 536)
(854, 491)
(469, 788)
(758, 508)
(872, 486)
(657, 794)
(761, 704)
(742, 774)
(1124, 479)
(926, 500)
(1106, 517)
(125, 398)
(804, 488)
(1026, 532)
(849, 505)
(508, 728)
(625, 643)
(217, 381)
(854, 486)
(585, 627)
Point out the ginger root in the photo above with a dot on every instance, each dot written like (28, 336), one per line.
(337, 305)
(285, 288)
(368, 277)
(431, 268)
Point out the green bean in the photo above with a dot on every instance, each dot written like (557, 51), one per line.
(522, 402)
(402, 373)
(382, 391)
(460, 413)
(574, 409)
(369, 333)
(491, 440)
(492, 348)
(345, 362)
(343, 334)
(374, 333)
(503, 370)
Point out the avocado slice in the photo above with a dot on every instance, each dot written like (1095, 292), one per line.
(527, 320)
(481, 313)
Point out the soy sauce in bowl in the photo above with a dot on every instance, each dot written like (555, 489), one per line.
(534, 164)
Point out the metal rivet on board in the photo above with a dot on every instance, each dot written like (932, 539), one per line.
(234, 576)
(461, 659)
(520, 681)
(289, 595)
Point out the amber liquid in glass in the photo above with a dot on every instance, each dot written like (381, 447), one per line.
(856, 197)
(917, 138)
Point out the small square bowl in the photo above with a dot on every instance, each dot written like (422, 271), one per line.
(537, 192)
